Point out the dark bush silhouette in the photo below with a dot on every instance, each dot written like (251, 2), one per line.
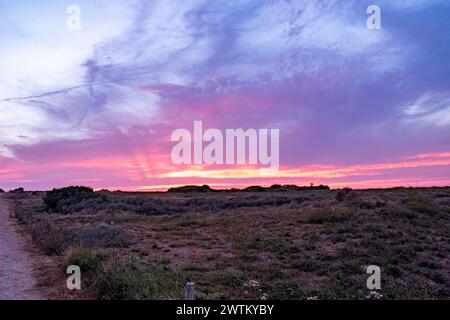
(255, 189)
(277, 187)
(68, 200)
(343, 193)
(184, 189)
(284, 188)
(84, 200)
(2, 191)
(18, 190)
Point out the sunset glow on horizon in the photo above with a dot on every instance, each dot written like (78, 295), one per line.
(97, 106)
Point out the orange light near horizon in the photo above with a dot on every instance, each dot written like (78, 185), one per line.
(139, 172)
(315, 171)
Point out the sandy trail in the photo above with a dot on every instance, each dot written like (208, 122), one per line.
(16, 265)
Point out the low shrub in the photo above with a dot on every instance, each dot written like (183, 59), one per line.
(342, 194)
(54, 240)
(23, 216)
(152, 206)
(67, 200)
(254, 189)
(127, 280)
(306, 264)
(102, 236)
(188, 189)
(123, 279)
(422, 205)
(328, 215)
(89, 260)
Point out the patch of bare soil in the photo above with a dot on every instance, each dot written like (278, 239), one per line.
(17, 266)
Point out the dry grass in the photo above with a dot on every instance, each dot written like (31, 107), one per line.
(283, 245)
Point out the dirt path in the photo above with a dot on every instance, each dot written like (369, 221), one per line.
(16, 265)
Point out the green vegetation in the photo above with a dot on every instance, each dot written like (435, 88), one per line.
(117, 279)
(53, 240)
(66, 200)
(283, 244)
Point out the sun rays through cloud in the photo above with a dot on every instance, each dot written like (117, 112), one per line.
(355, 107)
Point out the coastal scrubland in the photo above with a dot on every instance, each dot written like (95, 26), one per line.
(283, 242)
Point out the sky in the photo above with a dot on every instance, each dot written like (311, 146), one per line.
(96, 106)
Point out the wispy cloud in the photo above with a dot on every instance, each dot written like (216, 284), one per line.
(344, 96)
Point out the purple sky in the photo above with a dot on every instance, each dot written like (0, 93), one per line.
(96, 106)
